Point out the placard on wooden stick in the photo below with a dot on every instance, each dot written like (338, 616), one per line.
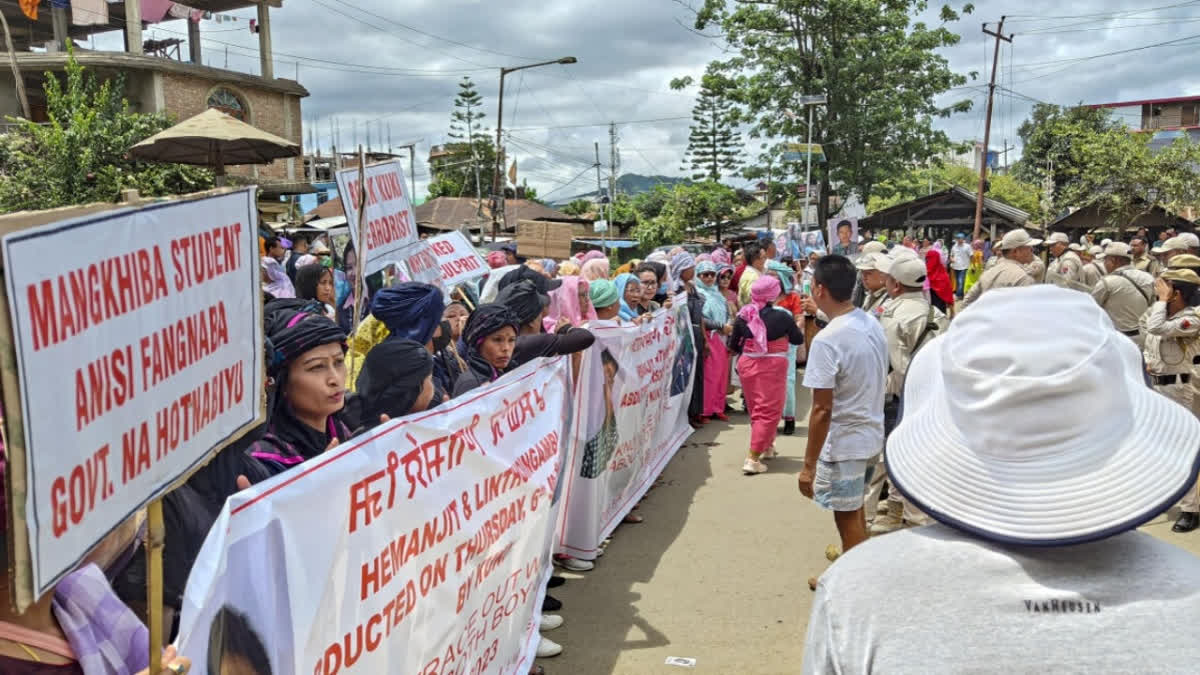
(130, 352)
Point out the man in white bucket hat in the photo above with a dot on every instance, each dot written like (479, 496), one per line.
(1016, 250)
(1029, 435)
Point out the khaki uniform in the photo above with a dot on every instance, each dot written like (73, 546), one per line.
(1036, 269)
(873, 302)
(1066, 271)
(1125, 294)
(905, 322)
(1004, 274)
(1147, 264)
(1171, 345)
(1091, 273)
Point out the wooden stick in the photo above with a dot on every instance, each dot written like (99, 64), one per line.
(360, 279)
(155, 538)
(12, 59)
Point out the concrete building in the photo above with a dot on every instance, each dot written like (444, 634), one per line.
(157, 77)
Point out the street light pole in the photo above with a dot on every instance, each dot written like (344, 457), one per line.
(809, 102)
(497, 194)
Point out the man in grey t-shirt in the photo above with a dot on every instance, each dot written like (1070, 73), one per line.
(1030, 567)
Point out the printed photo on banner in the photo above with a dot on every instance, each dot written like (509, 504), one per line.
(429, 551)
(843, 234)
(633, 391)
(155, 330)
(388, 224)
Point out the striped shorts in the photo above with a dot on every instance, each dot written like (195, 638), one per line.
(840, 486)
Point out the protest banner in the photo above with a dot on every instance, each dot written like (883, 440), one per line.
(420, 263)
(389, 224)
(634, 386)
(421, 547)
(457, 259)
(137, 356)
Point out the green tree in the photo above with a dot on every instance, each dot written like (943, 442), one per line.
(1048, 136)
(690, 209)
(920, 181)
(80, 155)
(879, 70)
(714, 144)
(464, 125)
(1118, 172)
(578, 207)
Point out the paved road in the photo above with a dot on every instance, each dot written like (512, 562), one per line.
(718, 572)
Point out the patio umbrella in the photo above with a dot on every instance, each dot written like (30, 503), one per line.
(216, 140)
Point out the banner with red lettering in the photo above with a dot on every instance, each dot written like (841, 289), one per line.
(420, 263)
(389, 225)
(421, 547)
(138, 341)
(634, 386)
(457, 259)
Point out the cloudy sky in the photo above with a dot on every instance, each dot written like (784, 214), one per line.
(394, 67)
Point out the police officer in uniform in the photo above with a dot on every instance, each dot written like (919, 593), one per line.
(1093, 269)
(872, 269)
(909, 321)
(1124, 293)
(1171, 329)
(1016, 250)
(1142, 260)
(1065, 267)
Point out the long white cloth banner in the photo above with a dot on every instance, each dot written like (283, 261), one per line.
(422, 547)
(634, 386)
(138, 354)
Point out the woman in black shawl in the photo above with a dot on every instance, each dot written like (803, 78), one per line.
(491, 337)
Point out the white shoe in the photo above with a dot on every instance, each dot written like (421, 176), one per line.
(550, 622)
(547, 648)
(575, 564)
(752, 466)
(769, 453)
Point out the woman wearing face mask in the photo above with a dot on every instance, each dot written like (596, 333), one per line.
(491, 337)
(413, 311)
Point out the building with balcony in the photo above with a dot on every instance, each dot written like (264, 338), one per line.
(1166, 118)
(158, 77)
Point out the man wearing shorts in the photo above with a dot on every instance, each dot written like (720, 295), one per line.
(847, 369)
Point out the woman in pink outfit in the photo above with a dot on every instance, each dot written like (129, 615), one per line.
(762, 335)
(569, 301)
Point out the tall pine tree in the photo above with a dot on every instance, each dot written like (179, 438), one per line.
(715, 144)
(463, 169)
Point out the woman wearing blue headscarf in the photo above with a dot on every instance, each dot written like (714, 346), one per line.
(717, 326)
(629, 289)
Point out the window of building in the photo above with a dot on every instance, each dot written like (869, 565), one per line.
(229, 103)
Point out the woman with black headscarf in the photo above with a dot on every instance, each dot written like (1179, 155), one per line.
(309, 369)
(529, 306)
(396, 380)
(491, 337)
(413, 311)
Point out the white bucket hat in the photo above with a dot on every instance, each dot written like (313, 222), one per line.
(984, 446)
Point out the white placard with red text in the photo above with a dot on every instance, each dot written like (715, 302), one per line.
(457, 259)
(138, 339)
(389, 225)
(421, 547)
(634, 386)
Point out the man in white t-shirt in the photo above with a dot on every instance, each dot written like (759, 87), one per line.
(847, 367)
(1011, 419)
(960, 260)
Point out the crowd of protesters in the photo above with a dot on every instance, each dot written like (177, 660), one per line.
(853, 321)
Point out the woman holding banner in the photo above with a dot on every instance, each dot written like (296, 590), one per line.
(762, 336)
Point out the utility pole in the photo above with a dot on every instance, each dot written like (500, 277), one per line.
(987, 125)
(612, 175)
(599, 190)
